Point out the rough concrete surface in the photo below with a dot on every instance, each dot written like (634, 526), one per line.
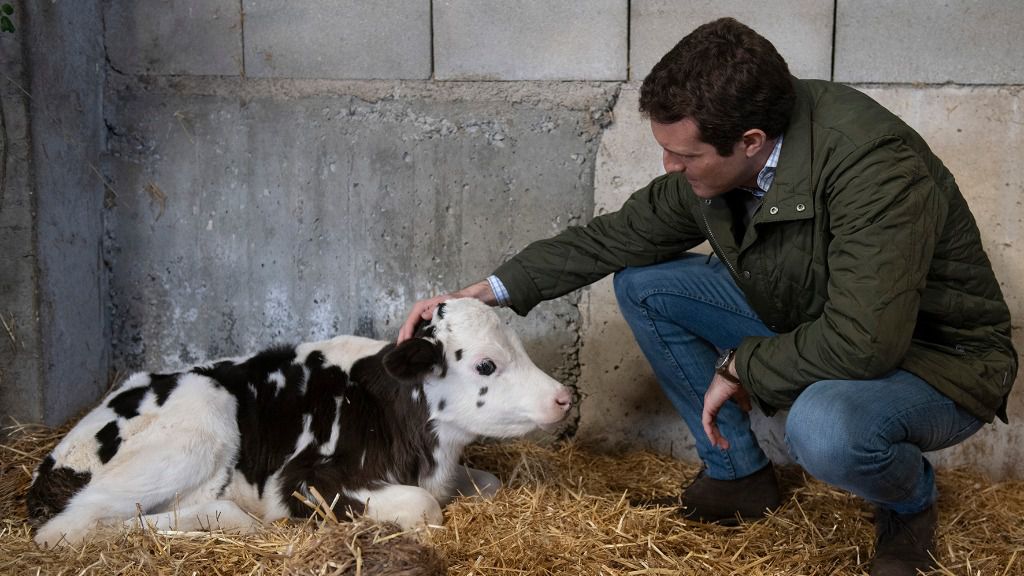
(241, 222)
(803, 36)
(67, 141)
(968, 128)
(623, 407)
(174, 36)
(21, 388)
(962, 41)
(530, 40)
(343, 39)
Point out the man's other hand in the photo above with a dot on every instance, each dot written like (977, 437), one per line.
(719, 392)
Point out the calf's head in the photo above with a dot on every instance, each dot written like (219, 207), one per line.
(478, 376)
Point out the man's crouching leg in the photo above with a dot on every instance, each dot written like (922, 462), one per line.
(868, 437)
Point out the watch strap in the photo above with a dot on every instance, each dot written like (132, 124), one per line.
(722, 369)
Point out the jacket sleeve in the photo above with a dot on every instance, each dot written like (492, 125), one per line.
(655, 224)
(885, 215)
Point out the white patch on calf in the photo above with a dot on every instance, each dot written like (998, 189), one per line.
(341, 351)
(79, 449)
(206, 515)
(332, 442)
(306, 437)
(407, 506)
(277, 378)
(247, 496)
(197, 438)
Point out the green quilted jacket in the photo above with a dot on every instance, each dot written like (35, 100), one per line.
(863, 257)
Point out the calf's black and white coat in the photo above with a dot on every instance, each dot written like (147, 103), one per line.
(379, 426)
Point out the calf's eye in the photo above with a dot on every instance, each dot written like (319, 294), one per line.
(486, 367)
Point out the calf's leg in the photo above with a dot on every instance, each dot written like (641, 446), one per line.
(214, 515)
(407, 506)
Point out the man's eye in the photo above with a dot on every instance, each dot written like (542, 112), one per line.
(486, 368)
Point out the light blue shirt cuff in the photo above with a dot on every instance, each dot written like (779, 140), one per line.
(500, 292)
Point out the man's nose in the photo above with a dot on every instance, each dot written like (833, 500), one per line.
(671, 163)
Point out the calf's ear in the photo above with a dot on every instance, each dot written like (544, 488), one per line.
(413, 359)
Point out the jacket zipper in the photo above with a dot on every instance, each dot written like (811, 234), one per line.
(717, 248)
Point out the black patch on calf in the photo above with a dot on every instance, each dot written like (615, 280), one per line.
(324, 384)
(126, 404)
(109, 440)
(458, 354)
(424, 329)
(315, 359)
(440, 405)
(378, 418)
(413, 359)
(263, 364)
(310, 468)
(479, 403)
(227, 482)
(268, 424)
(163, 385)
(51, 490)
(483, 390)
(440, 310)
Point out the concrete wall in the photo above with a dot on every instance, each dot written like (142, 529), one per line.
(272, 213)
(53, 297)
(20, 386)
(287, 170)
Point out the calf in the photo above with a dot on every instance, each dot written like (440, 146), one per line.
(376, 425)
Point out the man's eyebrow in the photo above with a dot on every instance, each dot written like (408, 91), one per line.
(677, 153)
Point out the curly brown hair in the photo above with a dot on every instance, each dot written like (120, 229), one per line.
(726, 78)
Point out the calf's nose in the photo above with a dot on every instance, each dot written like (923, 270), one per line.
(563, 398)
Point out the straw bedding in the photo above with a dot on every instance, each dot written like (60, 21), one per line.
(564, 510)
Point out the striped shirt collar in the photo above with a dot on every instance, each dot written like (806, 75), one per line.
(767, 174)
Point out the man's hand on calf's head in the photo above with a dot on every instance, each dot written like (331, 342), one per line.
(424, 309)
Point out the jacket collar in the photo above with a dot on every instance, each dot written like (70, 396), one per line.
(792, 193)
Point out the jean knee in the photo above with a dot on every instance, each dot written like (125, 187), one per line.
(628, 287)
(821, 433)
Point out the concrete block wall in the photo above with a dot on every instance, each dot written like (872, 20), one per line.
(801, 30)
(531, 40)
(346, 39)
(292, 169)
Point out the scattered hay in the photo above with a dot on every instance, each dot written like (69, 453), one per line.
(565, 510)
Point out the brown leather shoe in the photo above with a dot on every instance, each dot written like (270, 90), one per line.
(726, 502)
(903, 544)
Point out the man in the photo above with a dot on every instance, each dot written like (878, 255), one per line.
(850, 287)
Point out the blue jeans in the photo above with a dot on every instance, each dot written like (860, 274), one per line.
(865, 436)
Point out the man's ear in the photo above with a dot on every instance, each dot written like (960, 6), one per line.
(413, 359)
(753, 141)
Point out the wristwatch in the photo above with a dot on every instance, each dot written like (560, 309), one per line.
(722, 365)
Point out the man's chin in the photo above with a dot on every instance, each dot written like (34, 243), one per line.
(704, 193)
